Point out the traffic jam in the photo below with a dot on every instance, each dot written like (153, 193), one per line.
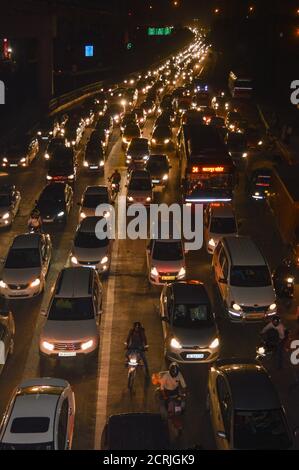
(117, 343)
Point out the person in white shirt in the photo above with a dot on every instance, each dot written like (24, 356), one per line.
(172, 381)
(277, 325)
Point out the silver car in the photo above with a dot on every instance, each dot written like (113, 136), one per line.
(92, 197)
(189, 328)
(26, 266)
(139, 188)
(88, 250)
(73, 316)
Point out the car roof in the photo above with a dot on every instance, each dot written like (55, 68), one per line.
(89, 224)
(243, 251)
(251, 387)
(190, 292)
(34, 405)
(74, 282)
(139, 140)
(222, 210)
(26, 240)
(139, 174)
(127, 431)
(160, 156)
(99, 189)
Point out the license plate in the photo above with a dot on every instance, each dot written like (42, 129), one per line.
(45, 138)
(195, 356)
(156, 181)
(168, 278)
(13, 164)
(67, 354)
(93, 167)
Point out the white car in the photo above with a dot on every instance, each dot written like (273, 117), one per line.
(165, 261)
(88, 250)
(92, 197)
(40, 416)
(244, 280)
(140, 188)
(219, 221)
(26, 266)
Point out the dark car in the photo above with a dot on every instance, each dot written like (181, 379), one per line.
(46, 129)
(233, 120)
(105, 122)
(219, 123)
(55, 202)
(166, 118)
(137, 152)
(62, 166)
(192, 117)
(161, 137)
(115, 111)
(129, 118)
(245, 409)
(73, 131)
(149, 106)
(158, 167)
(260, 183)
(141, 116)
(135, 431)
(189, 327)
(20, 152)
(237, 145)
(94, 158)
(131, 131)
(254, 138)
(52, 145)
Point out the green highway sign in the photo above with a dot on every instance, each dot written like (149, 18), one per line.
(161, 31)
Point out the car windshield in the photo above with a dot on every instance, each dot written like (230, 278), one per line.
(91, 201)
(250, 276)
(192, 315)
(132, 130)
(74, 309)
(30, 425)
(260, 430)
(89, 240)
(37, 446)
(171, 251)
(23, 258)
(139, 146)
(162, 131)
(140, 184)
(4, 200)
(223, 225)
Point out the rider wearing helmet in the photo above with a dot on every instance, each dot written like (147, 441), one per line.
(115, 177)
(277, 325)
(172, 381)
(136, 341)
(35, 219)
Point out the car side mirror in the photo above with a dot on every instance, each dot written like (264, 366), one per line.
(221, 434)
(43, 312)
(222, 280)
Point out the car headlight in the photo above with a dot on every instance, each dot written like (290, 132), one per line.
(71, 177)
(261, 350)
(104, 260)
(39, 133)
(272, 307)
(82, 215)
(174, 343)
(214, 344)
(129, 157)
(35, 283)
(74, 260)
(260, 142)
(166, 141)
(48, 346)
(182, 272)
(290, 280)
(130, 198)
(212, 242)
(47, 156)
(85, 163)
(145, 157)
(6, 216)
(153, 141)
(154, 272)
(165, 178)
(60, 214)
(236, 307)
(23, 160)
(87, 345)
(49, 177)
(148, 199)
(5, 160)
(245, 154)
(102, 163)
(3, 284)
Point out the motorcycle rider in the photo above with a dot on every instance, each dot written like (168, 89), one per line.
(277, 325)
(115, 177)
(35, 220)
(283, 276)
(136, 341)
(172, 382)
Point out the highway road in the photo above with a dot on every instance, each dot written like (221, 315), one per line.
(101, 390)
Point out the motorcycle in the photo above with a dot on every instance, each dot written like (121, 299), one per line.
(34, 228)
(269, 345)
(134, 361)
(115, 187)
(284, 281)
